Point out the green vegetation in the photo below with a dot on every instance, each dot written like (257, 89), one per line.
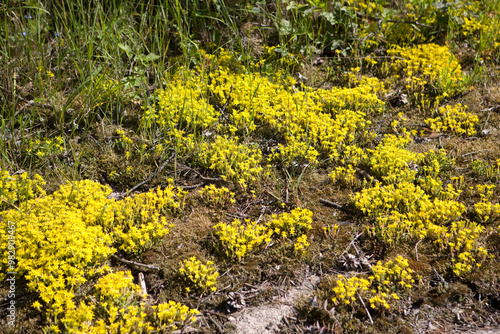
(161, 158)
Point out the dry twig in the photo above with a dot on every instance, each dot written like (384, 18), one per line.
(366, 309)
(135, 265)
(152, 176)
(334, 205)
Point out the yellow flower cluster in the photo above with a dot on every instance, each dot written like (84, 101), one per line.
(236, 240)
(481, 168)
(404, 211)
(434, 163)
(460, 237)
(47, 147)
(171, 315)
(460, 242)
(18, 189)
(485, 191)
(454, 119)
(485, 210)
(344, 175)
(217, 197)
(182, 105)
(478, 21)
(380, 287)
(390, 160)
(57, 248)
(311, 121)
(234, 161)
(274, 54)
(362, 96)
(225, 58)
(401, 197)
(123, 143)
(103, 85)
(140, 221)
(380, 301)
(115, 309)
(201, 277)
(424, 218)
(352, 154)
(301, 244)
(294, 153)
(347, 289)
(293, 224)
(63, 239)
(135, 223)
(392, 275)
(117, 288)
(428, 65)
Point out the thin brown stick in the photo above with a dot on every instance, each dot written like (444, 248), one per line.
(416, 249)
(466, 154)
(487, 119)
(366, 309)
(350, 244)
(134, 264)
(32, 103)
(334, 205)
(203, 178)
(192, 187)
(152, 176)
(441, 279)
(142, 284)
(366, 175)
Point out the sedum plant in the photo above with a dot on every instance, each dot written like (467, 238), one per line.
(237, 240)
(199, 277)
(63, 239)
(380, 288)
(17, 189)
(428, 66)
(455, 120)
(234, 161)
(116, 309)
(217, 197)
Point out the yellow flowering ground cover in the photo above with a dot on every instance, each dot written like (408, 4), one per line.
(379, 289)
(198, 275)
(166, 167)
(63, 241)
(428, 66)
(454, 119)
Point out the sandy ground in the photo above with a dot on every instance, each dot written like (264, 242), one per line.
(264, 319)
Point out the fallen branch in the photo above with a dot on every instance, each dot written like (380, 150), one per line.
(152, 176)
(441, 279)
(487, 119)
(262, 211)
(142, 284)
(134, 264)
(366, 175)
(191, 187)
(203, 178)
(334, 205)
(416, 249)
(215, 323)
(350, 244)
(32, 103)
(366, 309)
(466, 154)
